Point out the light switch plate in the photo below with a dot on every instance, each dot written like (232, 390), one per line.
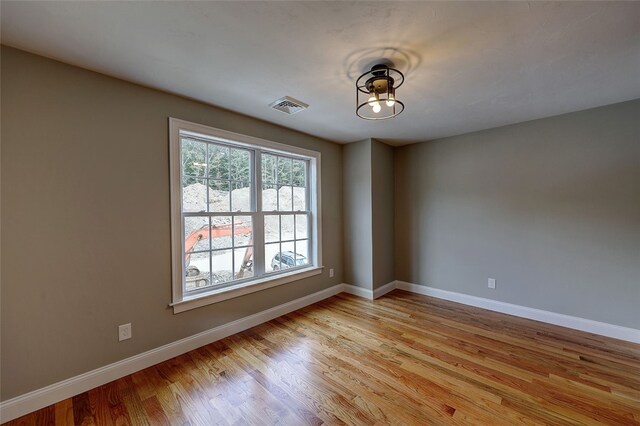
(124, 332)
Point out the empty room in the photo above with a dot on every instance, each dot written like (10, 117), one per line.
(319, 212)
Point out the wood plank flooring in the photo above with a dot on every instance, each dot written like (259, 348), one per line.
(402, 359)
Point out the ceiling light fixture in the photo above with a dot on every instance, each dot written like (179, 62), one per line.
(376, 93)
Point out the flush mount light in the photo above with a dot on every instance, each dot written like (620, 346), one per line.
(376, 93)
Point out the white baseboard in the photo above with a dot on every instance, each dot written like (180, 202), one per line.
(367, 293)
(40, 398)
(577, 323)
(358, 291)
(381, 291)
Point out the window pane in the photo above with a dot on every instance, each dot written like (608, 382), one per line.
(240, 196)
(302, 249)
(243, 231)
(299, 199)
(197, 274)
(218, 162)
(286, 227)
(271, 228)
(284, 171)
(221, 232)
(269, 198)
(243, 261)
(240, 165)
(291, 256)
(302, 223)
(194, 194)
(221, 263)
(287, 254)
(285, 203)
(193, 155)
(272, 257)
(299, 173)
(196, 235)
(219, 196)
(269, 163)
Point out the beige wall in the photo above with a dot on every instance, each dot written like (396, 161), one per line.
(382, 212)
(85, 220)
(358, 243)
(368, 171)
(550, 208)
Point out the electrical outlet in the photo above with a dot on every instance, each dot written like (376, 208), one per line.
(124, 332)
(492, 283)
(331, 273)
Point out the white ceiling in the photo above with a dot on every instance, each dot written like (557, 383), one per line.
(468, 65)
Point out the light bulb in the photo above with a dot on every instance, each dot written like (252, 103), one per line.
(391, 101)
(375, 103)
(391, 97)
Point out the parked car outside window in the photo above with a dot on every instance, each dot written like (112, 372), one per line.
(287, 259)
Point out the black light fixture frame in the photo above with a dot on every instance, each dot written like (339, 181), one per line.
(381, 81)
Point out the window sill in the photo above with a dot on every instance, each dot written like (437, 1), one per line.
(226, 293)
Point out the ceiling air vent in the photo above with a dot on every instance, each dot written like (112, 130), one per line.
(288, 105)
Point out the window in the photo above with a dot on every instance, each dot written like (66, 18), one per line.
(245, 214)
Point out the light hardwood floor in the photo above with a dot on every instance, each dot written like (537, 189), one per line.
(402, 359)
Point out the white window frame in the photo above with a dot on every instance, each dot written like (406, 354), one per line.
(182, 302)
